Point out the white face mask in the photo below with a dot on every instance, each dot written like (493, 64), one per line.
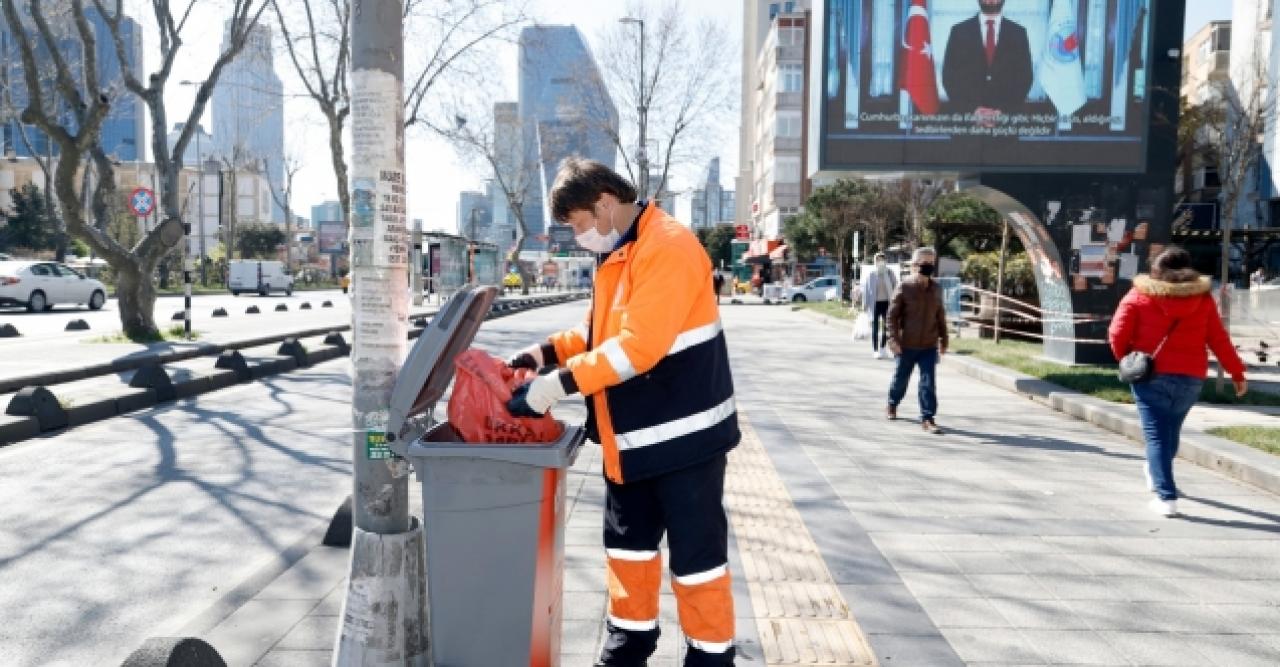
(595, 241)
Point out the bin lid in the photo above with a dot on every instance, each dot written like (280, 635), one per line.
(428, 370)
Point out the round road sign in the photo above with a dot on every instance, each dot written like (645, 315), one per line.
(142, 202)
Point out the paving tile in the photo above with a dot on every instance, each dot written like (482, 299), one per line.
(581, 638)
(1151, 648)
(925, 584)
(1073, 647)
(1039, 614)
(897, 649)
(963, 613)
(297, 658)
(888, 609)
(1235, 650)
(315, 633)
(986, 562)
(991, 645)
(254, 628)
(1021, 586)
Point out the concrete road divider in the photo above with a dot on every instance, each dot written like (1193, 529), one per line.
(180, 315)
(291, 347)
(280, 307)
(306, 305)
(327, 304)
(232, 360)
(252, 310)
(40, 403)
(339, 532)
(77, 325)
(8, 331)
(336, 340)
(155, 378)
(172, 651)
(219, 312)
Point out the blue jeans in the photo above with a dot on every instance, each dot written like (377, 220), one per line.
(879, 325)
(1163, 404)
(927, 360)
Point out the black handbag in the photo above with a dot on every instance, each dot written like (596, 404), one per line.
(1138, 367)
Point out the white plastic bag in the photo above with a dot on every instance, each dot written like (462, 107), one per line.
(862, 327)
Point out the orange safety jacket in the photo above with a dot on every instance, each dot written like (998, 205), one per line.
(651, 357)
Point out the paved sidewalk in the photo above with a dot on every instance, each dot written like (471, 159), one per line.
(1019, 537)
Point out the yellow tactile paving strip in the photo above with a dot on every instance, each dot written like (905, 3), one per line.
(800, 615)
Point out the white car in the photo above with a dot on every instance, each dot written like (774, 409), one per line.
(42, 285)
(818, 289)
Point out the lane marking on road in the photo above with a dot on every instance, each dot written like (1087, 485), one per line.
(801, 616)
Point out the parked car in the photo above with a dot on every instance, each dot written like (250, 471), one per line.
(40, 286)
(815, 290)
(261, 276)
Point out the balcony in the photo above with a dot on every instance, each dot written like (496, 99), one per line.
(786, 144)
(789, 100)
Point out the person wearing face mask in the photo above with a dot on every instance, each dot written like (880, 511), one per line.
(652, 362)
(877, 288)
(918, 337)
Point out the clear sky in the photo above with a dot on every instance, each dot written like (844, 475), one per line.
(434, 174)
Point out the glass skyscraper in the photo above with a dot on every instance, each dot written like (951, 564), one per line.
(248, 110)
(564, 110)
(122, 135)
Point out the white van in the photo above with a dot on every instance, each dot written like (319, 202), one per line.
(261, 276)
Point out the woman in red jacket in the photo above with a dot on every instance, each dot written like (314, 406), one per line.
(1171, 315)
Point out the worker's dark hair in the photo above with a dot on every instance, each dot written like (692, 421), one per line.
(1173, 265)
(579, 184)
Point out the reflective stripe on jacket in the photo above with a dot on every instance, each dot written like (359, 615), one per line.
(651, 357)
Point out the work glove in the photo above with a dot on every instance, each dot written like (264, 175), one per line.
(530, 358)
(534, 398)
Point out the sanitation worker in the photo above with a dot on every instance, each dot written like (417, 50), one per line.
(652, 363)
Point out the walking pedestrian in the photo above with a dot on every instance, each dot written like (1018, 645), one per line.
(877, 288)
(917, 324)
(718, 284)
(1171, 315)
(651, 360)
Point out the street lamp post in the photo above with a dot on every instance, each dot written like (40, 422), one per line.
(642, 157)
(200, 190)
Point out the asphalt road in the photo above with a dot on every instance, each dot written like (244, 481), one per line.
(132, 527)
(103, 321)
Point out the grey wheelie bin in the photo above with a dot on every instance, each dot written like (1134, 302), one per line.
(493, 514)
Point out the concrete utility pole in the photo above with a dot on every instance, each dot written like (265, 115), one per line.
(384, 615)
(642, 157)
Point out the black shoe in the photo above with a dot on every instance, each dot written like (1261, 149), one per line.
(695, 658)
(891, 412)
(627, 648)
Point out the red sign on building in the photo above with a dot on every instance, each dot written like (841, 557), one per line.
(742, 232)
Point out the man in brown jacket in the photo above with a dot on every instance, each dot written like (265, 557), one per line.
(918, 336)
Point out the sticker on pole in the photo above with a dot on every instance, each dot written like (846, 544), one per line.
(142, 202)
(375, 446)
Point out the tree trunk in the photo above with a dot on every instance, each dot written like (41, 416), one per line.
(339, 167)
(136, 299)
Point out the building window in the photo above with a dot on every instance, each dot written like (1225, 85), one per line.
(787, 170)
(773, 10)
(790, 78)
(789, 124)
(790, 7)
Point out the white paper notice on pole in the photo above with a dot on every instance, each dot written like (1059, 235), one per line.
(1081, 235)
(1115, 234)
(1128, 266)
(378, 231)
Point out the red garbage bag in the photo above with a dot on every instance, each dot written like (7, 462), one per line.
(478, 406)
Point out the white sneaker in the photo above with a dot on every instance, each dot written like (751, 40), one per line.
(1146, 471)
(875, 354)
(881, 354)
(1165, 508)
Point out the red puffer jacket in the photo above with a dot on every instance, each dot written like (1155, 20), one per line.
(1148, 311)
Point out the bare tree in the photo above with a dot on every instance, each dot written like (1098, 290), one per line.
(917, 197)
(317, 39)
(459, 36)
(685, 99)
(72, 114)
(473, 132)
(283, 197)
(1236, 122)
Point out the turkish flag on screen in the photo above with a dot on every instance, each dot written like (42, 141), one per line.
(919, 78)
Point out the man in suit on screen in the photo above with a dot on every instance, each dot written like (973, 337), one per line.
(987, 67)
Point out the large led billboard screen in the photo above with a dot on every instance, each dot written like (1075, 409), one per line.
(983, 85)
